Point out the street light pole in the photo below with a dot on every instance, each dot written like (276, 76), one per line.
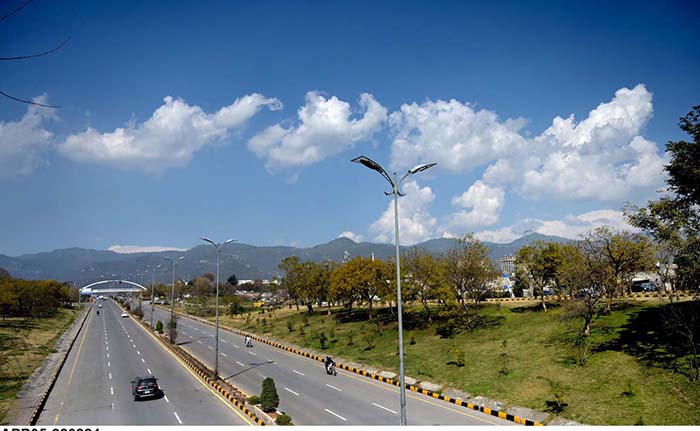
(153, 287)
(395, 184)
(172, 292)
(218, 251)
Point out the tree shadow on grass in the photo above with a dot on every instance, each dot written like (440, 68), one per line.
(648, 338)
(535, 307)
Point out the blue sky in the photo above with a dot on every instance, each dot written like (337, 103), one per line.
(268, 102)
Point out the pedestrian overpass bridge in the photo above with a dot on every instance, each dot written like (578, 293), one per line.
(112, 286)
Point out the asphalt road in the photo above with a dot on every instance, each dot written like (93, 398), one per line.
(307, 393)
(94, 386)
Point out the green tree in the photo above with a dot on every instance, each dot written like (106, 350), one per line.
(674, 219)
(470, 272)
(539, 264)
(424, 274)
(269, 397)
(290, 281)
(363, 278)
(232, 280)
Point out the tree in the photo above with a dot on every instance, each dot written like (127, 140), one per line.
(4, 275)
(233, 282)
(424, 274)
(269, 397)
(622, 254)
(235, 306)
(364, 278)
(674, 219)
(470, 271)
(290, 280)
(539, 264)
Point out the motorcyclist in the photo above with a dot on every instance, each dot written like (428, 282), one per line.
(248, 341)
(98, 312)
(330, 365)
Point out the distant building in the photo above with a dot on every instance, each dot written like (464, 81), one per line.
(507, 264)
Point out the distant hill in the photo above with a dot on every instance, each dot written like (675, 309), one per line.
(247, 261)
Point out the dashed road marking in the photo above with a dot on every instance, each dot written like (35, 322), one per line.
(143, 360)
(112, 406)
(166, 398)
(253, 353)
(384, 408)
(139, 353)
(240, 363)
(333, 387)
(110, 376)
(107, 355)
(111, 390)
(236, 346)
(289, 390)
(149, 370)
(335, 414)
(224, 354)
(199, 341)
(109, 364)
(298, 372)
(210, 347)
(178, 418)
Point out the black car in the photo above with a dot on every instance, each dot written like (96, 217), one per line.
(144, 387)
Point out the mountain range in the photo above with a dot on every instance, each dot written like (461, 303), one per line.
(248, 262)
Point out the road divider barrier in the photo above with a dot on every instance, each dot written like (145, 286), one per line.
(236, 396)
(42, 401)
(375, 376)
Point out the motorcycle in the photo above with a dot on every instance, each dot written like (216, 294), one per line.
(98, 312)
(330, 370)
(248, 343)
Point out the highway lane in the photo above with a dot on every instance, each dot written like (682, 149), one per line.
(94, 386)
(306, 392)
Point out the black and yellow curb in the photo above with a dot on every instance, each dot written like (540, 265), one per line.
(682, 294)
(45, 397)
(205, 374)
(375, 376)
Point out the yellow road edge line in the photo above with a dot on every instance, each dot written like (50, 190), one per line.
(199, 379)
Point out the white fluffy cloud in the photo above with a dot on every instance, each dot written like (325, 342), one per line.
(482, 207)
(169, 138)
(126, 249)
(351, 235)
(415, 222)
(23, 141)
(572, 226)
(325, 128)
(603, 157)
(452, 134)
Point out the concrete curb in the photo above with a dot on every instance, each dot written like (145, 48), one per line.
(376, 376)
(682, 294)
(205, 374)
(42, 402)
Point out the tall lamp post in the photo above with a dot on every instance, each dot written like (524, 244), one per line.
(395, 184)
(218, 248)
(172, 291)
(153, 287)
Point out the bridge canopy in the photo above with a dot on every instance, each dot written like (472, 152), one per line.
(111, 286)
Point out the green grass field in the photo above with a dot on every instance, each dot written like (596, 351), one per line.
(24, 348)
(523, 357)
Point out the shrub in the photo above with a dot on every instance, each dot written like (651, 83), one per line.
(458, 357)
(323, 340)
(159, 327)
(290, 327)
(253, 400)
(284, 419)
(269, 398)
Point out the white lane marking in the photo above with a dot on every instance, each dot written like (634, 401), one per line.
(143, 360)
(109, 364)
(333, 387)
(224, 341)
(134, 345)
(138, 352)
(382, 407)
(199, 341)
(166, 398)
(236, 346)
(107, 355)
(289, 390)
(240, 363)
(300, 373)
(253, 353)
(178, 418)
(335, 414)
(210, 347)
(223, 354)
(112, 406)
(264, 377)
(111, 390)
(110, 376)
(149, 370)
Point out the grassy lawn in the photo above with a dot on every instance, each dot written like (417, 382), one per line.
(24, 348)
(524, 357)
